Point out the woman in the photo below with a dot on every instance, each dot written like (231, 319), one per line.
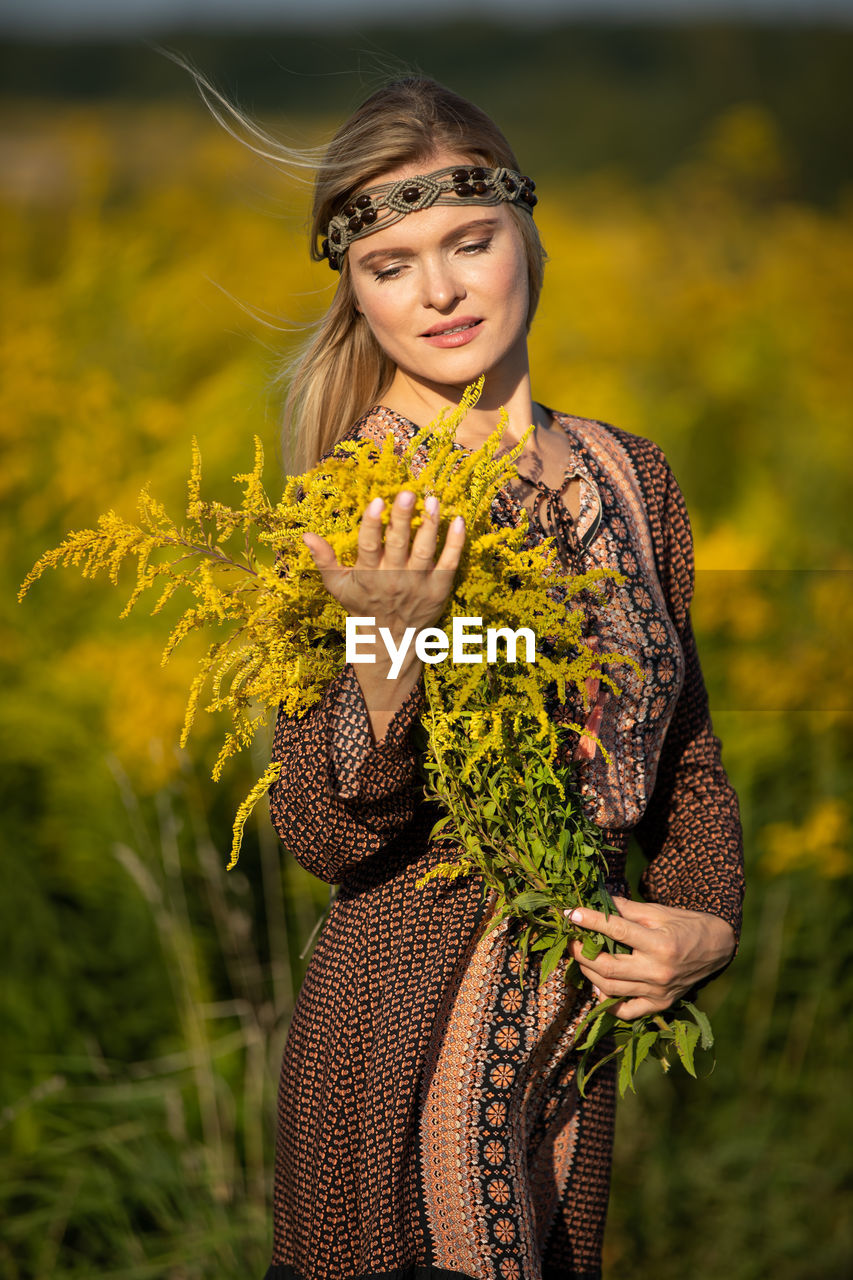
(429, 1122)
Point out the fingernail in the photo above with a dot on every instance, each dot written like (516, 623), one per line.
(576, 917)
(375, 507)
(598, 992)
(407, 498)
(458, 524)
(431, 504)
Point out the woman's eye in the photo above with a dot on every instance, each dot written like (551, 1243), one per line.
(480, 247)
(389, 273)
(392, 273)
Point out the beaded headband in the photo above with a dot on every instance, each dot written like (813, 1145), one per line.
(378, 207)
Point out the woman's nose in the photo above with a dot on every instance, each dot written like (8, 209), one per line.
(442, 287)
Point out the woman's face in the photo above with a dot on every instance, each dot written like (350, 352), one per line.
(445, 290)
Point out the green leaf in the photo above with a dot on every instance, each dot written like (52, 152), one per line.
(593, 945)
(626, 1068)
(600, 1027)
(541, 944)
(552, 957)
(583, 1076)
(531, 899)
(592, 1014)
(686, 1037)
(644, 1044)
(495, 921)
(594, 1031)
(703, 1022)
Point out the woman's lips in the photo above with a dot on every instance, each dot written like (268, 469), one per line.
(456, 335)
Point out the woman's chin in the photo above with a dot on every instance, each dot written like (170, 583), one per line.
(462, 368)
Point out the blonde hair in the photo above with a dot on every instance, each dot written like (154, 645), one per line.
(341, 370)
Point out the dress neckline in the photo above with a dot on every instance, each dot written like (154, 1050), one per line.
(570, 472)
(567, 533)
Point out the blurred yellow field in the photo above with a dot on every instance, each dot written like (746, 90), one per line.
(155, 279)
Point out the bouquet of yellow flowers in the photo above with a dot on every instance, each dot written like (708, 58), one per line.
(493, 756)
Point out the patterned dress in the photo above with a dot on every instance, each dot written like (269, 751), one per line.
(429, 1123)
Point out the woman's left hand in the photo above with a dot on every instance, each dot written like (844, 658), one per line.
(671, 950)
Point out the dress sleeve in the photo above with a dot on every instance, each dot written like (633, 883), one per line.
(340, 796)
(690, 832)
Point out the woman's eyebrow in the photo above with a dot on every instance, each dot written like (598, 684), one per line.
(477, 224)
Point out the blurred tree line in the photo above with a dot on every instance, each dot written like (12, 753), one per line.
(154, 273)
(636, 96)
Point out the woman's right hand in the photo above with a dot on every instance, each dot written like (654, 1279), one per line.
(398, 583)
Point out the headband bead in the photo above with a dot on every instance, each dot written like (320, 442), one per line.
(381, 206)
